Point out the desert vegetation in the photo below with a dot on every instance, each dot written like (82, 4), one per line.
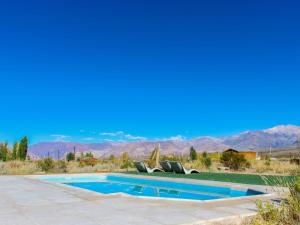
(80, 165)
(286, 211)
(15, 160)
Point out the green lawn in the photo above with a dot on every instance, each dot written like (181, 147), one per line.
(229, 177)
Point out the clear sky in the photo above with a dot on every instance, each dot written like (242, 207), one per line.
(84, 70)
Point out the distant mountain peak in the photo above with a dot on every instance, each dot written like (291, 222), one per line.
(285, 129)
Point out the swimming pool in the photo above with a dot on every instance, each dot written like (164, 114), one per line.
(133, 186)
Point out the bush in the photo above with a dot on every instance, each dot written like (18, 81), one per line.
(87, 162)
(286, 212)
(234, 160)
(89, 155)
(70, 156)
(268, 162)
(206, 160)
(126, 165)
(46, 164)
(61, 166)
(125, 161)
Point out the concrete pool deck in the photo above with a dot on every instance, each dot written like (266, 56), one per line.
(27, 201)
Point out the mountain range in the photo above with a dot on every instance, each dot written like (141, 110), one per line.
(282, 136)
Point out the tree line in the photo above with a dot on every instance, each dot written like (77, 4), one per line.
(17, 152)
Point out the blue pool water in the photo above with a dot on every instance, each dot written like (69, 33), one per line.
(150, 188)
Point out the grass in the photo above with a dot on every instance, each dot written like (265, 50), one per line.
(254, 179)
(36, 167)
(274, 167)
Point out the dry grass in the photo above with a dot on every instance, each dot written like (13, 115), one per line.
(32, 167)
(277, 213)
(198, 165)
(74, 167)
(18, 167)
(274, 167)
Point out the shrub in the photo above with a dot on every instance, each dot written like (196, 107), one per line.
(70, 156)
(61, 166)
(234, 160)
(46, 164)
(285, 212)
(126, 165)
(89, 155)
(88, 162)
(125, 161)
(206, 160)
(268, 162)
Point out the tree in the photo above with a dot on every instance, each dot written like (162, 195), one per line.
(4, 151)
(193, 154)
(70, 156)
(234, 160)
(15, 151)
(206, 160)
(23, 148)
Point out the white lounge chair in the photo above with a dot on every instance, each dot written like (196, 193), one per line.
(178, 168)
(142, 168)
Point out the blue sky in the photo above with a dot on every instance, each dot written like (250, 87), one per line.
(106, 70)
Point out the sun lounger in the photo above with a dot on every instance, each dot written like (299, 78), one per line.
(178, 168)
(166, 166)
(142, 168)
